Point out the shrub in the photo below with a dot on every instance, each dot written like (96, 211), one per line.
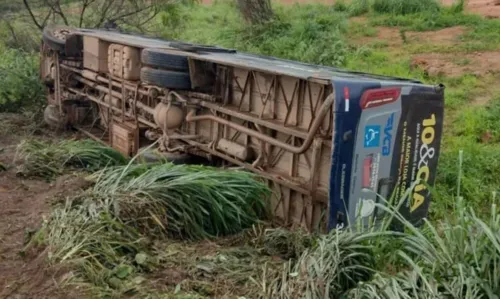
(19, 35)
(20, 85)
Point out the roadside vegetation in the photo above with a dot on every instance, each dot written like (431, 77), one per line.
(138, 223)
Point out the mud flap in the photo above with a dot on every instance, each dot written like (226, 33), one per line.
(385, 150)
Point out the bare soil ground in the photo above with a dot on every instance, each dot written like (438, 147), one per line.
(487, 8)
(451, 65)
(393, 37)
(24, 203)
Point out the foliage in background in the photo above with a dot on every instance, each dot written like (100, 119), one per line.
(20, 85)
(291, 34)
(19, 35)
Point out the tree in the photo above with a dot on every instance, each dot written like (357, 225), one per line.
(256, 11)
(93, 13)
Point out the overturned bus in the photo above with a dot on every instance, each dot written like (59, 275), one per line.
(331, 143)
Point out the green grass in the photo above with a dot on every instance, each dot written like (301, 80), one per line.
(404, 7)
(291, 35)
(20, 85)
(394, 7)
(427, 20)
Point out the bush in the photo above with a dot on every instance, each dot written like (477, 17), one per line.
(20, 84)
(19, 35)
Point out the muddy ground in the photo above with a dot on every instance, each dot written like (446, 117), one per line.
(24, 203)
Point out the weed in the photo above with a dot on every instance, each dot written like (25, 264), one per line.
(480, 177)
(486, 32)
(445, 260)
(336, 264)
(106, 233)
(458, 6)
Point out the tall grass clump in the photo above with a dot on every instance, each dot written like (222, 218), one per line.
(108, 232)
(48, 159)
(454, 258)
(333, 266)
(20, 84)
(457, 258)
(85, 236)
(183, 201)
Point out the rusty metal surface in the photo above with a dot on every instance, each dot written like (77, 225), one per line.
(266, 64)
